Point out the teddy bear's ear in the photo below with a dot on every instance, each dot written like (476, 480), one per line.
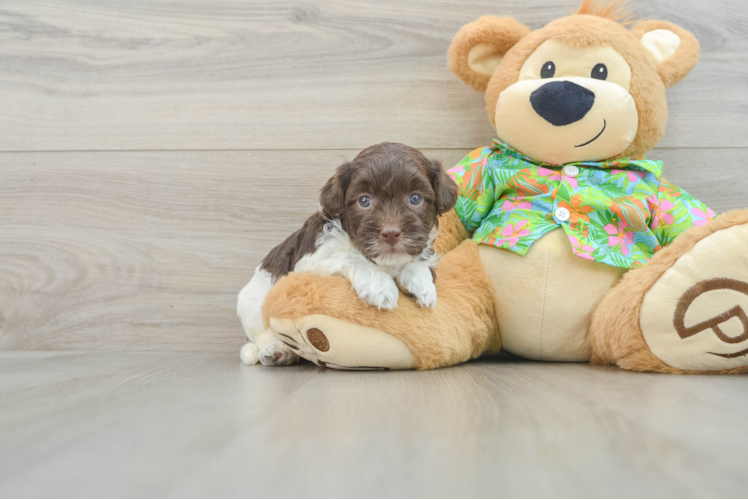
(675, 50)
(478, 48)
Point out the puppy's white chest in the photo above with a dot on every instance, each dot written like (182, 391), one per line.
(393, 265)
(376, 282)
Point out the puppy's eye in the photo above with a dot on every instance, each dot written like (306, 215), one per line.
(548, 70)
(364, 201)
(600, 71)
(415, 199)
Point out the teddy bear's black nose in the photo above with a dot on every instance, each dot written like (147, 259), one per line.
(562, 102)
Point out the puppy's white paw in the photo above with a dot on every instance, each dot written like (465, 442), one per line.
(277, 354)
(377, 288)
(427, 297)
(419, 283)
(249, 354)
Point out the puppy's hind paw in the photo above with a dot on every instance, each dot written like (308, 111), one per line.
(277, 354)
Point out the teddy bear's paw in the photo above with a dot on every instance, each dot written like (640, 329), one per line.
(377, 289)
(334, 343)
(418, 283)
(277, 354)
(695, 317)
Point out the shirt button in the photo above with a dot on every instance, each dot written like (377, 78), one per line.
(571, 170)
(562, 214)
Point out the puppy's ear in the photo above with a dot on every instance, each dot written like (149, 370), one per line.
(445, 189)
(332, 195)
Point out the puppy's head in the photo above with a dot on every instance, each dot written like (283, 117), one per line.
(388, 200)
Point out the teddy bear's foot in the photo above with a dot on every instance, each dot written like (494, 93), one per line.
(686, 310)
(334, 343)
(323, 320)
(694, 316)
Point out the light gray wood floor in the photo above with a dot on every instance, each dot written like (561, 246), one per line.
(195, 425)
(152, 152)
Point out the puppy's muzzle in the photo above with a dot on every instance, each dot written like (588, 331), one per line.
(391, 235)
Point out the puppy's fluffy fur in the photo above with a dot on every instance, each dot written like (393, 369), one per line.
(376, 226)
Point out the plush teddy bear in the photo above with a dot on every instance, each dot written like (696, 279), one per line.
(566, 244)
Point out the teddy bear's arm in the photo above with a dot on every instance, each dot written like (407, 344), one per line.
(677, 212)
(452, 232)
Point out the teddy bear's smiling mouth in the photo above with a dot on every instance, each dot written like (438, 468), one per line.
(605, 124)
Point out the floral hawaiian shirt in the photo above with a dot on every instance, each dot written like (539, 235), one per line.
(618, 213)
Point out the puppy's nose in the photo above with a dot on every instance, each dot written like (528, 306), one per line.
(391, 235)
(562, 103)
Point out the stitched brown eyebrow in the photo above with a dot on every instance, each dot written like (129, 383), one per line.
(732, 355)
(295, 346)
(735, 312)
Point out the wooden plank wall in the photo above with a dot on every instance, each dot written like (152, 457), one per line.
(152, 151)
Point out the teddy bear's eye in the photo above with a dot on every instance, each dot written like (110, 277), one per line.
(600, 71)
(549, 69)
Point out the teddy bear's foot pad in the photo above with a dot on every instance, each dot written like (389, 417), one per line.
(695, 317)
(338, 344)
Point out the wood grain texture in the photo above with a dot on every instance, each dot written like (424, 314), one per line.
(253, 74)
(222, 119)
(147, 251)
(202, 425)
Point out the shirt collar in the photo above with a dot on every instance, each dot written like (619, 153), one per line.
(654, 167)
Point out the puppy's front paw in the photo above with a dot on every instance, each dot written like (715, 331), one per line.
(277, 354)
(377, 289)
(419, 284)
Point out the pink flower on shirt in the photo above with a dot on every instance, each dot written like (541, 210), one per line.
(704, 217)
(557, 175)
(622, 234)
(456, 172)
(516, 203)
(583, 251)
(513, 233)
(632, 175)
(661, 211)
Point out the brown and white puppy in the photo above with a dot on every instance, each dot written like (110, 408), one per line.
(376, 226)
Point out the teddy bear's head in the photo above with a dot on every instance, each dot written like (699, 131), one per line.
(582, 88)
